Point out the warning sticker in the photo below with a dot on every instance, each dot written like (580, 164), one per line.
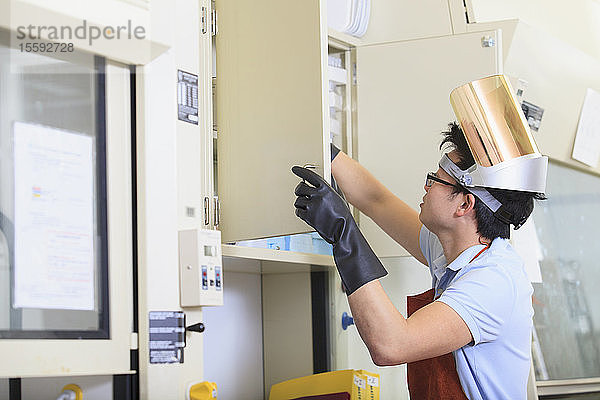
(187, 97)
(167, 337)
(533, 115)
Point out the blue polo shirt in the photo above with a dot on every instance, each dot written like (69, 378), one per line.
(492, 295)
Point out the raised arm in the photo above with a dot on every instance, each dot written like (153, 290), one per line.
(373, 199)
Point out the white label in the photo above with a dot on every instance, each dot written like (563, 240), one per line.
(372, 381)
(360, 382)
(54, 218)
(587, 139)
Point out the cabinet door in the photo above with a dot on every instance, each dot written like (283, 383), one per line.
(403, 105)
(188, 62)
(71, 301)
(272, 111)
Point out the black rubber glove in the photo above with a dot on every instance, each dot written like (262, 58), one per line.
(323, 209)
(334, 151)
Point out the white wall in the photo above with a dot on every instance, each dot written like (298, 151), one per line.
(233, 348)
(287, 319)
(406, 276)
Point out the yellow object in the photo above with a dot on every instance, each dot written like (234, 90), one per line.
(76, 389)
(372, 384)
(346, 384)
(203, 391)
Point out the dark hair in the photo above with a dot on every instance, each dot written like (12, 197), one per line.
(518, 203)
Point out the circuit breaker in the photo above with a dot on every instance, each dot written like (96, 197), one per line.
(200, 268)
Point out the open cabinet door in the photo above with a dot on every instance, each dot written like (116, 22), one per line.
(403, 105)
(271, 111)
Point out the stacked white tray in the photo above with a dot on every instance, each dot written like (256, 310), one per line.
(349, 16)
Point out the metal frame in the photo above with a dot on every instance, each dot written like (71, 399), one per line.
(103, 312)
(577, 385)
(568, 386)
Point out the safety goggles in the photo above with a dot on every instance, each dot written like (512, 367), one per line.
(432, 177)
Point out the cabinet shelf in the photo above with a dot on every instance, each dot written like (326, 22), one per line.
(337, 75)
(281, 256)
(341, 40)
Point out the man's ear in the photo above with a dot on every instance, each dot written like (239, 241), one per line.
(467, 205)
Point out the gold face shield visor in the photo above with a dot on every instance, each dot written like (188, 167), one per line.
(499, 137)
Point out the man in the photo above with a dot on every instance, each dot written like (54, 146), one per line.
(470, 335)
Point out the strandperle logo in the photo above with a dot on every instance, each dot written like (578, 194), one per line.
(83, 31)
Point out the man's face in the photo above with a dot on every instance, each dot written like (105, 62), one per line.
(438, 206)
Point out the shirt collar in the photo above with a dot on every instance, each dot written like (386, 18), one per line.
(439, 265)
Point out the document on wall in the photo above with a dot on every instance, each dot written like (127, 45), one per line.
(527, 244)
(587, 140)
(54, 218)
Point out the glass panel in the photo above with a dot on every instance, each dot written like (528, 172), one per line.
(302, 243)
(566, 304)
(53, 252)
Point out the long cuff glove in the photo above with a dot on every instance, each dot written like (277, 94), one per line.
(323, 209)
(334, 151)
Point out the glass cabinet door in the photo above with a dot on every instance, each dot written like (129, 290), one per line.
(65, 199)
(53, 204)
(567, 317)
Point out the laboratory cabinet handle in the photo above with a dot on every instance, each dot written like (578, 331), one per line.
(310, 166)
(199, 327)
(217, 211)
(203, 17)
(214, 27)
(206, 211)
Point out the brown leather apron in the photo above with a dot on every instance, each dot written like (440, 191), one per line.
(433, 378)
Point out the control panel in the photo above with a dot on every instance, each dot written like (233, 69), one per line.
(200, 268)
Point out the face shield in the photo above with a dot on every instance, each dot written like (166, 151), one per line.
(506, 155)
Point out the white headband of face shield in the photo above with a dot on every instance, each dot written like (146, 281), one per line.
(463, 179)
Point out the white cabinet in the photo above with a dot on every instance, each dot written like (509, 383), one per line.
(272, 104)
(190, 58)
(272, 109)
(403, 104)
(267, 125)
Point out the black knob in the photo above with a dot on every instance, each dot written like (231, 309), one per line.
(199, 327)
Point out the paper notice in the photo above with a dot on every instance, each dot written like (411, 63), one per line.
(527, 245)
(54, 218)
(587, 140)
